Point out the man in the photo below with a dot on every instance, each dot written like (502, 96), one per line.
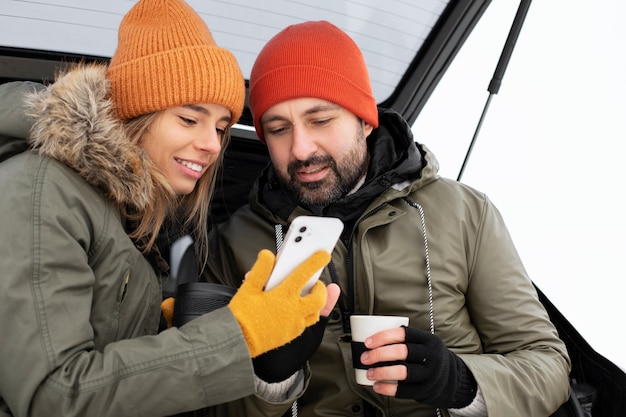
(479, 342)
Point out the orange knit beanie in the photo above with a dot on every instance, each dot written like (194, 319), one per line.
(166, 57)
(311, 59)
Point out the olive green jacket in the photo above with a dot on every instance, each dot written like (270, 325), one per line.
(80, 304)
(404, 226)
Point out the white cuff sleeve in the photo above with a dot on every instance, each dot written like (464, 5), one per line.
(280, 391)
(477, 408)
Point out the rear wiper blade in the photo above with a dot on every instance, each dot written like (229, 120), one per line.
(498, 75)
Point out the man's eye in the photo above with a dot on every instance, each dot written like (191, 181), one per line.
(321, 122)
(275, 131)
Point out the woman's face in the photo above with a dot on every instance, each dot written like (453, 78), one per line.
(184, 141)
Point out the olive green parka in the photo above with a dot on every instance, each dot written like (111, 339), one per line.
(80, 304)
(423, 246)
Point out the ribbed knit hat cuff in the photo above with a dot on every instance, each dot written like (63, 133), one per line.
(186, 75)
(278, 85)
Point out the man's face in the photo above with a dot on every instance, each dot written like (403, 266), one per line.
(318, 148)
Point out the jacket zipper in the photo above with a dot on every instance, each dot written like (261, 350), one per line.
(124, 288)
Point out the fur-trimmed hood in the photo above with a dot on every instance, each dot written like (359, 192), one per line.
(74, 124)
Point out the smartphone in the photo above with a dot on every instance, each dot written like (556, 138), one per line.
(306, 235)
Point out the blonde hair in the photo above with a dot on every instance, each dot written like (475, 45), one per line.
(190, 211)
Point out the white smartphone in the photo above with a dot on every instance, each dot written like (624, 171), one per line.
(306, 235)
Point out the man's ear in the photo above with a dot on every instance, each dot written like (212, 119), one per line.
(367, 128)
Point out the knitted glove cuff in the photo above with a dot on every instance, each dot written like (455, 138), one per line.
(466, 385)
(278, 364)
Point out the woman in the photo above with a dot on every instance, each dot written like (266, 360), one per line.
(115, 152)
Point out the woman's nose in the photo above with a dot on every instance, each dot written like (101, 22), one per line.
(210, 142)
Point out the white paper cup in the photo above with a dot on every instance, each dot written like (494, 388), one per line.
(365, 326)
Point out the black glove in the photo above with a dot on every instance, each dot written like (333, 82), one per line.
(436, 376)
(280, 363)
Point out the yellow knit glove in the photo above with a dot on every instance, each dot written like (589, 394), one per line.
(269, 319)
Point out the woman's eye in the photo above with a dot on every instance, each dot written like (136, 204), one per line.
(187, 121)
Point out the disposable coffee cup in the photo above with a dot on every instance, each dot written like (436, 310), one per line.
(362, 328)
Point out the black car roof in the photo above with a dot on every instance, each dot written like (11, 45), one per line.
(407, 45)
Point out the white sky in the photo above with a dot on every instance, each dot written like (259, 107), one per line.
(550, 151)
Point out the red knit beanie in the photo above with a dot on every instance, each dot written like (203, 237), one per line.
(311, 59)
(166, 57)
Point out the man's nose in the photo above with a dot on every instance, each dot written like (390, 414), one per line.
(303, 144)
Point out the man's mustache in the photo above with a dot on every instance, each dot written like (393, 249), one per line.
(314, 160)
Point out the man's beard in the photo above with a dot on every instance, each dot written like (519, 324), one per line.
(342, 178)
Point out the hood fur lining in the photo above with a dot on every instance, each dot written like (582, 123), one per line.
(74, 124)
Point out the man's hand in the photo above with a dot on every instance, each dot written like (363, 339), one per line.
(427, 371)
